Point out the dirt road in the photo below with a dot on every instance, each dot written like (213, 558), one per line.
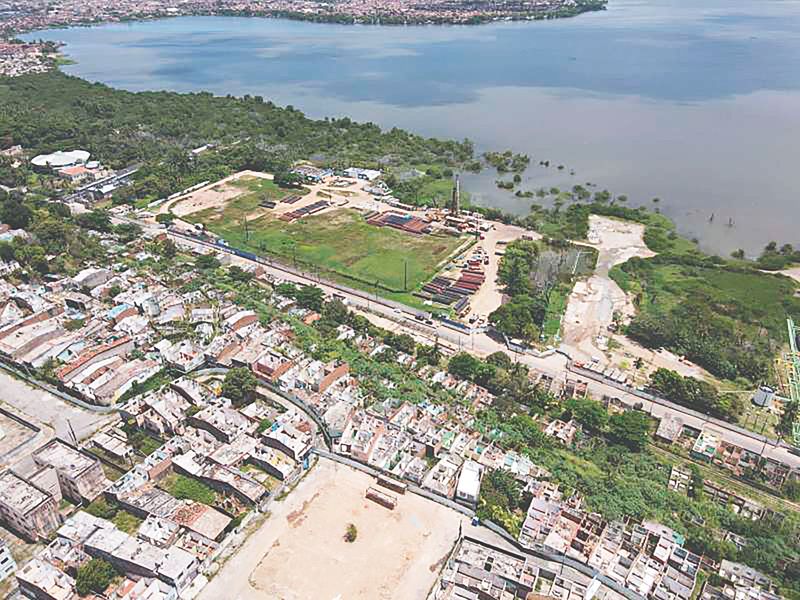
(593, 302)
(490, 295)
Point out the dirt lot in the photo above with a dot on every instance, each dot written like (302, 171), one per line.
(794, 273)
(300, 552)
(210, 196)
(490, 294)
(593, 302)
(217, 194)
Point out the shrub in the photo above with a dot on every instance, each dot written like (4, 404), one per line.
(351, 533)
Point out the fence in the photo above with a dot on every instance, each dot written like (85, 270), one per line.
(14, 371)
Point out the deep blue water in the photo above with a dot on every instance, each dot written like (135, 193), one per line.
(695, 102)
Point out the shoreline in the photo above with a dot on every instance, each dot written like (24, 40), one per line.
(378, 19)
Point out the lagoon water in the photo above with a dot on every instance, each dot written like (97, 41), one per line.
(696, 102)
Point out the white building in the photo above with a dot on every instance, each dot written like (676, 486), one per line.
(7, 563)
(60, 159)
(469, 483)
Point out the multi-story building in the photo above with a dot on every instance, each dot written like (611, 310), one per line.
(80, 475)
(7, 563)
(39, 580)
(27, 509)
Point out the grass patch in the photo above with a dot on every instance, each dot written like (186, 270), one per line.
(556, 306)
(186, 488)
(103, 509)
(126, 522)
(111, 473)
(143, 441)
(269, 482)
(727, 319)
(340, 244)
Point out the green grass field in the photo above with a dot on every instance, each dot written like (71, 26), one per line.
(340, 245)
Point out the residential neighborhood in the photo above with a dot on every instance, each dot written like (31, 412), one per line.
(166, 490)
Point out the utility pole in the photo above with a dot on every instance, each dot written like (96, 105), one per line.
(72, 431)
(405, 274)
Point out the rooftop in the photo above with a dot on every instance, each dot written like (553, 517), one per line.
(19, 495)
(64, 458)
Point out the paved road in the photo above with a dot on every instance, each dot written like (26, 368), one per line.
(44, 408)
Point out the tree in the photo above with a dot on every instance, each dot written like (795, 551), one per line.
(167, 248)
(463, 365)
(165, 218)
(33, 256)
(499, 359)
(694, 393)
(127, 232)
(351, 533)
(15, 214)
(240, 386)
(791, 489)
(631, 428)
(310, 297)
(6, 251)
(429, 355)
(97, 220)
(401, 342)
(238, 274)
(336, 311)
(207, 262)
(287, 179)
(520, 318)
(94, 576)
(592, 415)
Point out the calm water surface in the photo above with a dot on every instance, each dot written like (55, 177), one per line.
(695, 102)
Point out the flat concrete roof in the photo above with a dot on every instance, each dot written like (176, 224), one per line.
(20, 495)
(64, 458)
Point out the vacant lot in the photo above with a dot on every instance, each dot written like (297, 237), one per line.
(338, 244)
(217, 194)
(300, 552)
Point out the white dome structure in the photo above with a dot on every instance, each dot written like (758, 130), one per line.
(59, 160)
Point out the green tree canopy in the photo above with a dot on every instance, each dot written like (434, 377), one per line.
(94, 576)
(631, 428)
(240, 386)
